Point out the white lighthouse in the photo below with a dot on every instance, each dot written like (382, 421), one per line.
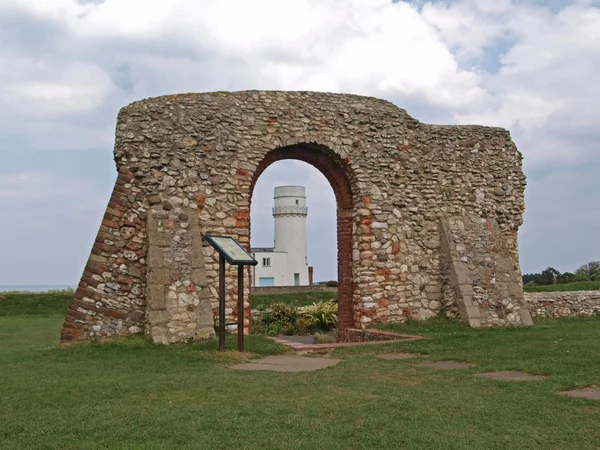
(286, 264)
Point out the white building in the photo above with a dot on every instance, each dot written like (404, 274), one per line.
(286, 264)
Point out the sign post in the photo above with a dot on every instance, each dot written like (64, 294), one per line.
(231, 251)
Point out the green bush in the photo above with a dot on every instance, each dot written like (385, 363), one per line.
(267, 329)
(332, 283)
(304, 325)
(282, 314)
(322, 316)
(286, 319)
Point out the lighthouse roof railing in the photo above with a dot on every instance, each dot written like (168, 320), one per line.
(262, 250)
(290, 209)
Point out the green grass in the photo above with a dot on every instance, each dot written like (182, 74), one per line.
(133, 394)
(292, 298)
(35, 303)
(577, 286)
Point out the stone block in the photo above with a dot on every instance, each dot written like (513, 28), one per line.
(464, 290)
(204, 334)
(204, 314)
(154, 199)
(155, 257)
(159, 276)
(475, 323)
(525, 317)
(435, 296)
(156, 297)
(473, 312)
(157, 318)
(199, 278)
(459, 274)
(134, 271)
(425, 314)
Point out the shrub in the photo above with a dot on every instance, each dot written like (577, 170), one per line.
(305, 325)
(282, 314)
(325, 338)
(322, 315)
(267, 329)
(286, 319)
(332, 283)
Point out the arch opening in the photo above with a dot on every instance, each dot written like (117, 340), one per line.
(336, 171)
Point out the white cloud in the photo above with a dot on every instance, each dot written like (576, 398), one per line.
(378, 47)
(39, 187)
(545, 88)
(41, 88)
(468, 26)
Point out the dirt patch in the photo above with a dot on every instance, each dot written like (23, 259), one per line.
(511, 375)
(591, 392)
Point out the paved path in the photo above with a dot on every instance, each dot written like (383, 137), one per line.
(284, 363)
(298, 339)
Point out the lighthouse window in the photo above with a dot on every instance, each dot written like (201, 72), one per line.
(297, 202)
(266, 262)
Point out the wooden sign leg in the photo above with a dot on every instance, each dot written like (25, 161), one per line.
(221, 304)
(240, 308)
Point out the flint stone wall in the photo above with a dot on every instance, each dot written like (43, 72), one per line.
(423, 211)
(559, 304)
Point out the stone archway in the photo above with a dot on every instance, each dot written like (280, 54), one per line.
(337, 172)
(428, 215)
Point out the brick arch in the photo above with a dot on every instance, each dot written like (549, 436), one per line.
(337, 172)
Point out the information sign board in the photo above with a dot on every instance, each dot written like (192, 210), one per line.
(231, 250)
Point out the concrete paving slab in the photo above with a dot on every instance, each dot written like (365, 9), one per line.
(298, 339)
(511, 375)
(397, 355)
(287, 364)
(592, 393)
(446, 365)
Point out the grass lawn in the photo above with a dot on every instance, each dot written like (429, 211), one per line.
(132, 394)
(35, 303)
(291, 298)
(577, 286)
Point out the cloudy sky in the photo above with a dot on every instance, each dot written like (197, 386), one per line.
(67, 66)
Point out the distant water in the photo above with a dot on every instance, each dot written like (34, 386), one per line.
(35, 288)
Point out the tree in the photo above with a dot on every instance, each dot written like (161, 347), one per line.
(567, 277)
(547, 276)
(590, 271)
(529, 277)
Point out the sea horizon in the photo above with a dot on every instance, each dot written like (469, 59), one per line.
(35, 287)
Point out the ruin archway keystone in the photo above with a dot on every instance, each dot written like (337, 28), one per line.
(427, 215)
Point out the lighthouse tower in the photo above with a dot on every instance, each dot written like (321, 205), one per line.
(290, 213)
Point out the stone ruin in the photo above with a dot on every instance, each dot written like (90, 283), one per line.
(427, 215)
